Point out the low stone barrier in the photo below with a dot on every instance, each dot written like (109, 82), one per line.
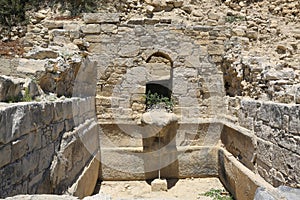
(45, 146)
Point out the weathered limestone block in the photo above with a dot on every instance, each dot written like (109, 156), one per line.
(129, 51)
(5, 66)
(287, 164)
(41, 53)
(296, 34)
(30, 164)
(180, 86)
(284, 74)
(77, 147)
(11, 174)
(282, 192)
(5, 156)
(73, 30)
(20, 147)
(71, 26)
(197, 162)
(113, 168)
(215, 49)
(91, 28)
(90, 18)
(46, 156)
(117, 135)
(214, 16)
(53, 24)
(94, 39)
(263, 113)
(32, 88)
(85, 184)
(10, 88)
(109, 28)
(241, 143)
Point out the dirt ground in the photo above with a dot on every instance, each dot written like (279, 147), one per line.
(187, 189)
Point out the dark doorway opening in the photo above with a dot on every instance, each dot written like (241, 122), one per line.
(162, 88)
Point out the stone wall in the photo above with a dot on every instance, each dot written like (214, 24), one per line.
(123, 53)
(269, 145)
(45, 146)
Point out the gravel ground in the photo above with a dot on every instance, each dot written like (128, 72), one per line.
(188, 189)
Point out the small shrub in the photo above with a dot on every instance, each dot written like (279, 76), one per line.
(218, 194)
(79, 6)
(27, 97)
(154, 99)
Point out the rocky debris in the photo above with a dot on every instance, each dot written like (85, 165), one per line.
(166, 5)
(98, 197)
(11, 48)
(41, 197)
(60, 75)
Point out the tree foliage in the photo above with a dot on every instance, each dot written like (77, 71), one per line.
(13, 12)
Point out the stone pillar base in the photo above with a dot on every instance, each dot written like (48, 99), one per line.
(159, 185)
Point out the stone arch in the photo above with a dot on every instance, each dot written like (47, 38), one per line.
(160, 54)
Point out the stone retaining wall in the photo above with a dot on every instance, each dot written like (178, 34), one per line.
(45, 146)
(269, 143)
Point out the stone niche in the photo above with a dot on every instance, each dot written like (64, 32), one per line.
(159, 67)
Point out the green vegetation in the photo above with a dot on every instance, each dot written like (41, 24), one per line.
(13, 12)
(218, 194)
(79, 6)
(233, 18)
(27, 97)
(153, 99)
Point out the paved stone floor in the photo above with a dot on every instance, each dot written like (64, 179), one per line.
(188, 189)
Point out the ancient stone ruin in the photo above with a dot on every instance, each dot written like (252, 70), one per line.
(147, 89)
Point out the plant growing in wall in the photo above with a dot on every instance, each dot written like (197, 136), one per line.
(156, 101)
